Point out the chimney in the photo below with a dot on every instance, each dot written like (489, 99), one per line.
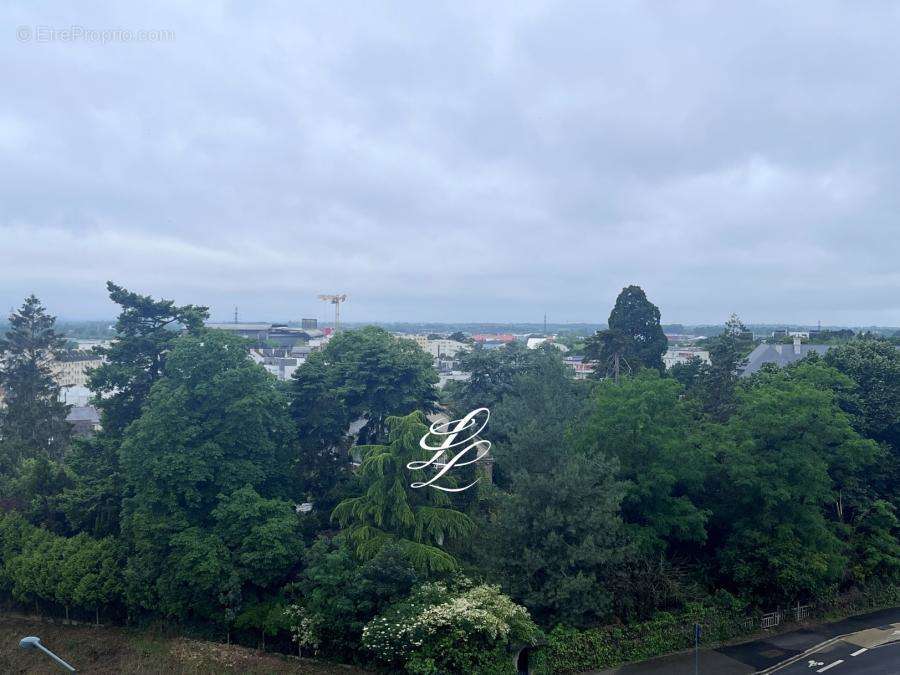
(797, 345)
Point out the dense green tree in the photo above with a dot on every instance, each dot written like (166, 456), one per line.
(875, 544)
(875, 367)
(135, 360)
(717, 381)
(646, 425)
(556, 540)
(339, 594)
(36, 492)
(368, 374)
(262, 535)
(40, 567)
(688, 374)
(145, 331)
(634, 339)
(269, 617)
(529, 422)
(420, 522)
(787, 467)
(492, 374)
(93, 499)
(608, 351)
(214, 438)
(32, 418)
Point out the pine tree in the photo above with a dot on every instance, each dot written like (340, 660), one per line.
(33, 421)
(135, 360)
(419, 521)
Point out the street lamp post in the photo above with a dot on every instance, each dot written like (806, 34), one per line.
(34, 642)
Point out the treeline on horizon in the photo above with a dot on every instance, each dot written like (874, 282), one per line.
(223, 501)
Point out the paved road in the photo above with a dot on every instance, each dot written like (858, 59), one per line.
(875, 651)
(765, 654)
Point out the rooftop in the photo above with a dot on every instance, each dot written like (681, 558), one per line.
(780, 355)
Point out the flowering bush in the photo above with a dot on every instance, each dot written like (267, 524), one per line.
(458, 627)
(304, 629)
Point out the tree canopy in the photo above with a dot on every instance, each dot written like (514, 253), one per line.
(634, 339)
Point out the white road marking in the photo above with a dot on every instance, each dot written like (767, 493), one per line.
(859, 651)
(813, 663)
(830, 665)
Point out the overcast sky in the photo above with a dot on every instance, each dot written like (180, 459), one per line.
(455, 162)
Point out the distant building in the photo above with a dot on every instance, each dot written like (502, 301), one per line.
(309, 323)
(281, 361)
(578, 365)
(780, 355)
(493, 344)
(258, 332)
(85, 420)
(268, 334)
(440, 348)
(684, 355)
(452, 376)
(70, 371)
(534, 342)
(499, 337)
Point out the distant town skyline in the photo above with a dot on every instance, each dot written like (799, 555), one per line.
(452, 163)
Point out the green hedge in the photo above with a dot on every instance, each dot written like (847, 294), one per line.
(71, 572)
(573, 650)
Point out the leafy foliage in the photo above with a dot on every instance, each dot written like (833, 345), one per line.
(644, 424)
(338, 595)
(788, 470)
(361, 374)
(556, 541)
(451, 628)
(419, 522)
(211, 444)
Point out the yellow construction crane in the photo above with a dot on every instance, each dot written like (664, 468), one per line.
(335, 300)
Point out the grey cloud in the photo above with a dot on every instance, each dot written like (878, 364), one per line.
(445, 162)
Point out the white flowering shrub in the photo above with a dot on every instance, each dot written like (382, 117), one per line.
(304, 629)
(456, 627)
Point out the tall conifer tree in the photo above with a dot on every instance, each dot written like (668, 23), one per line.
(33, 419)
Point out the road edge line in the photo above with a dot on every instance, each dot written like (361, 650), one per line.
(799, 657)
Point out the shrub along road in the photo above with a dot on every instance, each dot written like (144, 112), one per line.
(787, 652)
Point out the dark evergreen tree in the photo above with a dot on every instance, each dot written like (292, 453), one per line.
(634, 340)
(135, 360)
(33, 419)
(556, 540)
(389, 512)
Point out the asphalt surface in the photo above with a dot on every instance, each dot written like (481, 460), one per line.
(795, 651)
(875, 651)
